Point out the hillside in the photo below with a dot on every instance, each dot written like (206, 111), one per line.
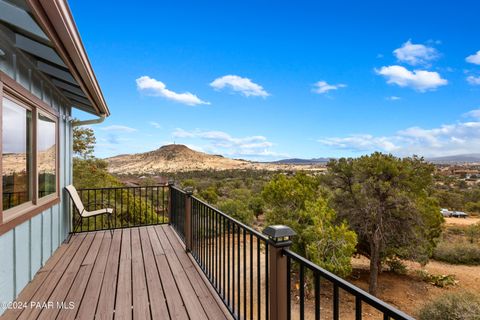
(16, 162)
(461, 158)
(180, 158)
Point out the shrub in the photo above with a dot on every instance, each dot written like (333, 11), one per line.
(397, 266)
(438, 280)
(452, 306)
(458, 253)
(473, 232)
(236, 209)
(209, 195)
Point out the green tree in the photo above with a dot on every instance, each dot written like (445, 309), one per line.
(209, 195)
(237, 209)
(450, 199)
(472, 207)
(92, 173)
(387, 201)
(300, 203)
(83, 142)
(256, 204)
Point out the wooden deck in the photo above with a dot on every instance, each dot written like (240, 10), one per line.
(141, 273)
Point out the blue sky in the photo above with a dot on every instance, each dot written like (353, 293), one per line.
(265, 80)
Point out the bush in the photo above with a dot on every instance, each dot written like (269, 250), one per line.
(209, 195)
(438, 280)
(452, 306)
(473, 233)
(237, 209)
(458, 253)
(397, 266)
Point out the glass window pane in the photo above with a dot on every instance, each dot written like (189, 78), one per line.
(47, 152)
(16, 154)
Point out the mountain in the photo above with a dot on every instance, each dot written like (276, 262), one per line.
(461, 158)
(17, 162)
(298, 161)
(180, 158)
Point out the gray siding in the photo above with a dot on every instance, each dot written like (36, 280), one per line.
(26, 248)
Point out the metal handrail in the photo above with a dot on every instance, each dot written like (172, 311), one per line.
(132, 207)
(388, 311)
(241, 224)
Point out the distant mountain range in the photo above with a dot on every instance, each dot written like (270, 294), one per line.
(299, 161)
(180, 158)
(461, 158)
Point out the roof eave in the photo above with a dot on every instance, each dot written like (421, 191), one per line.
(55, 18)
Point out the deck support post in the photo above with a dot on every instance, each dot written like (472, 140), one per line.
(188, 219)
(171, 183)
(279, 239)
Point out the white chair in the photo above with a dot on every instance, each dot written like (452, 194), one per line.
(84, 213)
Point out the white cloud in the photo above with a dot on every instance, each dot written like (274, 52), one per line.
(393, 98)
(156, 125)
(474, 58)
(157, 88)
(219, 142)
(448, 139)
(474, 81)
(244, 86)
(322, 87)
(118, 128)
(473, 114)
(415, 54)
(420, 80)
(360, 142)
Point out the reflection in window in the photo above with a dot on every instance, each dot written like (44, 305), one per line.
(16, 154)
(46, 145)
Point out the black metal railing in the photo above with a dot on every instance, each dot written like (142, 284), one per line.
(234, 258)
(315, 291)
(132, 207)
(177, 206)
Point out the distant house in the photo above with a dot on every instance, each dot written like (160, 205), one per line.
(44, 73)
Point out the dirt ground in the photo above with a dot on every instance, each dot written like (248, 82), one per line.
(462, 221)
(407, 292)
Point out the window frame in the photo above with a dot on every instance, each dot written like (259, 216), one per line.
(15, 92)
(55, 194)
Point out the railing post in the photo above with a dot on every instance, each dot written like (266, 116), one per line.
(279, 239)
(171, 183)
(188, 218)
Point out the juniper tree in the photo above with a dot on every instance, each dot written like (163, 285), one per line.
(388, 202)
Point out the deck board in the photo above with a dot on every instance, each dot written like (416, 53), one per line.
(190, 299)
(139, 273)
(106, 300)
(158, 304)
(43, 292)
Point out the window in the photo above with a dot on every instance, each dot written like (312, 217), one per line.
(16, 154)
(47, 154)
(29, 154)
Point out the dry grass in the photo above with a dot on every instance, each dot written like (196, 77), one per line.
(461, 221)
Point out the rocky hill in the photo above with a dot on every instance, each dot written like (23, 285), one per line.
(180, 158)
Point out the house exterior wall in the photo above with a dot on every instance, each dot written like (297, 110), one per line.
(25, 248)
